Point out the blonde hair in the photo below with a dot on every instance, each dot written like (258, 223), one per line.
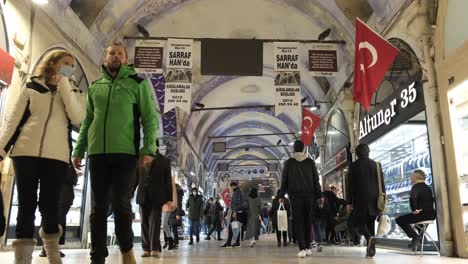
(45, 70)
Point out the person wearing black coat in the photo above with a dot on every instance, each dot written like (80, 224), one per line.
(422, 207)
(216, 211)
(175, 219)
(331, 212)
(300, 181)
(2, 215)
(274, 217)
(363, 194)
(154, 190)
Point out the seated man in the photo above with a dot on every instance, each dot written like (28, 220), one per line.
(422, 207)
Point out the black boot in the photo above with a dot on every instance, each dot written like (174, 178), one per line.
(198, 239)
(171, 244)
(191, 241)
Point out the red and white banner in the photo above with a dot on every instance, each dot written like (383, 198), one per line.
(373, 55)
(226, 195)
(310, 123)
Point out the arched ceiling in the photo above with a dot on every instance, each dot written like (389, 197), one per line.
(261, 19)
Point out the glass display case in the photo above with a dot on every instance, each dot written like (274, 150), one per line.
(401, 151)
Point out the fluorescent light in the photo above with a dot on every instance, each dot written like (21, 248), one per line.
(41, 2)
(300, 132)
(290, 144)
(313, 108)
(192, 173)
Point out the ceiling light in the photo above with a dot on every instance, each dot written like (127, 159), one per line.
(41, 2)
(313, 108)
(290, 144)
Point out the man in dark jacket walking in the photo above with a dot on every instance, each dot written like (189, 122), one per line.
(363, 195)
(195, 209)
(422, 207)
(154, 190)
(236, 213)
(300, 181)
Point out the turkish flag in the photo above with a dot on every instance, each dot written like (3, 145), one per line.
(310, 122)
(226, 195)
(6, 67)
(373, 55)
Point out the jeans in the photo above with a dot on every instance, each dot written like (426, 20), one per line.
(405, 222)
(150, 227)
(29, 172)
(301, 212)
(194, 228)
(266, 222)
(165, 224)
(236, 232)
(114, 174)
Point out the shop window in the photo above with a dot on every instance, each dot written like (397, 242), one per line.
(337, 135)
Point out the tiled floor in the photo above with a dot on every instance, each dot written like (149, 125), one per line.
(209, 252)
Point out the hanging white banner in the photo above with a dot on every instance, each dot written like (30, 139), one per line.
(178, 91)
(148, 56)
(287, 78)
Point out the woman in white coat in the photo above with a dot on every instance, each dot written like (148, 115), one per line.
(36, 132)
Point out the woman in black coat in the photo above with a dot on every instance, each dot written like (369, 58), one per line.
(274, 218)
(363, 194)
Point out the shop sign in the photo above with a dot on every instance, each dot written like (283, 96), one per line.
(339, 159)
(396, 109)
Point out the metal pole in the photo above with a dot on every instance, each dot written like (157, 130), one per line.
(341, 42)
(252, 135)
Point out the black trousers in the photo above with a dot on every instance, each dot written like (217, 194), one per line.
(29, 172)
(363, 225)
(2, 216)
(301, 213)
(150, 227)
(65, 202)
(278, 236)
(175, 234)
(216, 226)
(114, 176)
(405, 222)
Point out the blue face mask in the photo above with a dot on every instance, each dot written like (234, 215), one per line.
(66, 71)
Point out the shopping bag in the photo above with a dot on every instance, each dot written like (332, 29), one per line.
(384, 225)
(235, 224)
(282, 218)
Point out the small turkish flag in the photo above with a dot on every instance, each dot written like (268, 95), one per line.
(310, 122)
(373, 55)
(226, 195)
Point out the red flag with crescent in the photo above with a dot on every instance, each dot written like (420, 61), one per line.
(373, 55)
(226, 195)
(310, 122)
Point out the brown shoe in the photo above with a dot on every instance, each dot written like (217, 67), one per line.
(128, 257)
(146, 254)
(154, 254)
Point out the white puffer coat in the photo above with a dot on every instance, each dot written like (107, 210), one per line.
(38, 121)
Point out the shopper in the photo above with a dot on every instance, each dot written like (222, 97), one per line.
(253, 214)
(217, 215)
(363, 195)
(235, 214)
(331, 213)
(110, 134)
(265, 214)
(154, 191)
(42, 111)
(167, 210)
(176, 216)
(277, 201)
(300, 181)
(195, 213)
(207, 215)
(422, 207)
(65, 202)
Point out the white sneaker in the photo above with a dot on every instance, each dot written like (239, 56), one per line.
(308, 252)
(302, 254)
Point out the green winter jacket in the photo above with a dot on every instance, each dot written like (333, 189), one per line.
(113, 113)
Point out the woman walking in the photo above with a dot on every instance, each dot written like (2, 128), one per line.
(37, 130)
(253, 222)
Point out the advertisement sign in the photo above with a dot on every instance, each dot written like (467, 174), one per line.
(148, 56)
(287, 78)
(323, 60)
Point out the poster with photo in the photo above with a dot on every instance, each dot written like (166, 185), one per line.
(323, 60)
(287, 78)
(148, 56)
(178, 91)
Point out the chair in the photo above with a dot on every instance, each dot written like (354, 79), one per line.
(422, 232)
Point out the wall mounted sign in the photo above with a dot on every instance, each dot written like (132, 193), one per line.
(323, 60)
(287, 78)
(396, 109)
(178, 75)
(148, 56)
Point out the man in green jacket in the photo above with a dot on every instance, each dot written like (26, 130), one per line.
(110, 134)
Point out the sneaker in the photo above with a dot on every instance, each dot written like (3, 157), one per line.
(371, 247)
(302, 254)
(319, 248)
(146, 254)
(415, 243)
(252, 243)
(308, 252)
(208, 238)
(226, 246)
(237, 245)
(190, 243)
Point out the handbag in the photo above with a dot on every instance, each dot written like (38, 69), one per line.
(282, 215)
(382, 198)
(384, 225)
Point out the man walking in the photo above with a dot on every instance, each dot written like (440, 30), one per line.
(300, 181)
(110, 134)
(154, 190)
(264, 213)
(363, 194)
(195, 208)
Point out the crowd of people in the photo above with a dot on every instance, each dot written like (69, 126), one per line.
(36, 133)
